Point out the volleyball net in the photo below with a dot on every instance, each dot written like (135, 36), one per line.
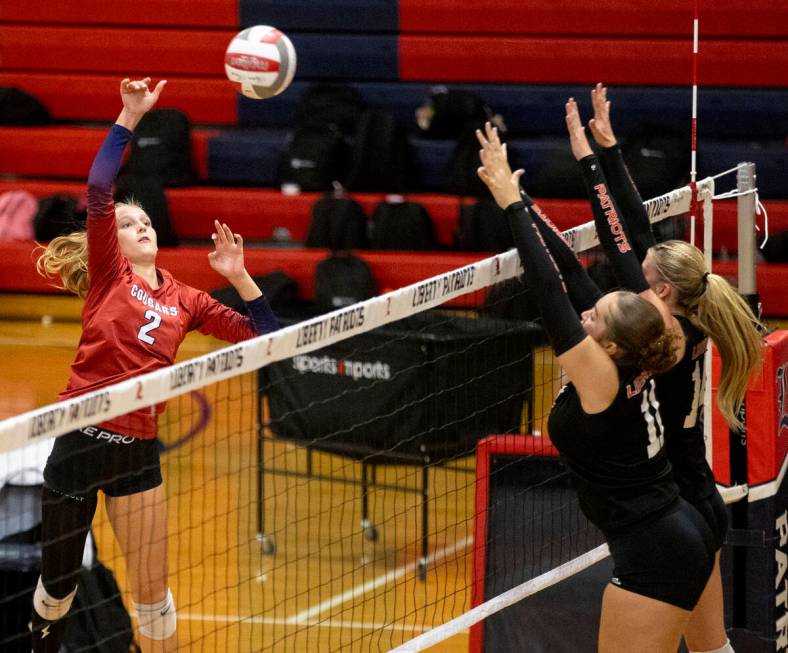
(324, 488)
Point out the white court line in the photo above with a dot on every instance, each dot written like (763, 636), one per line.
(273, 621)
(309, 614)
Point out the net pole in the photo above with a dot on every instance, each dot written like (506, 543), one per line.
(745, 184)
(694, 130)
(745, 203)
(708, 248)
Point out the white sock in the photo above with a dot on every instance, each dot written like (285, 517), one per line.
(725, 648)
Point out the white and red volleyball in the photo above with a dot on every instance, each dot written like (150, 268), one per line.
(260, 62)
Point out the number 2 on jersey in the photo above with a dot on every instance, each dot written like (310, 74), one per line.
(154, 321)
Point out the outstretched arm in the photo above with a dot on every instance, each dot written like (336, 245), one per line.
(610, 229)
(633, 213)
(582, 291)
(228, 260)
(588, 366)
(607, 216)
(104, 256)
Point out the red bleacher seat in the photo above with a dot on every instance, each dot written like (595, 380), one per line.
(195, 13)
(648, 61)
(68, 152)
(83, 97)
(764, 18)
(153, 52)
(391, 270)
(190, 265)
(257, 212)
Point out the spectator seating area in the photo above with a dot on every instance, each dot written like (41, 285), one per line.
(524, 59)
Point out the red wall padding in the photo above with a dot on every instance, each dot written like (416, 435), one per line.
(70, 96)
(190, 264)
(101, 49)
(761, 18)
(256, 212)
(69, 151)
(196, 13)
(514, 59)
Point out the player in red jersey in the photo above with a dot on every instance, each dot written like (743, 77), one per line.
(134, 319)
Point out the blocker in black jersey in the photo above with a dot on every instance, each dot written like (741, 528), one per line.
(661, 546)
(616, 457)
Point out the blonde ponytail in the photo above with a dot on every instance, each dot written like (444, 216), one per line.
(67, 257)
(715, 308)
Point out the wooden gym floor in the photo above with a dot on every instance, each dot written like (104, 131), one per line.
(326, 587)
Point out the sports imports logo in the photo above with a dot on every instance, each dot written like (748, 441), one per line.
(354, 369)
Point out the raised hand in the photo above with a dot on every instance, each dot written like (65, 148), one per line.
(137, 98)
(228, 257)
(577, 133)
(495, 171)
(600, 125)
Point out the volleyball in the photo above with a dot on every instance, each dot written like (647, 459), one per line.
(260, 62)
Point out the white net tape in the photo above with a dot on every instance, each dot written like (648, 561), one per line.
(161, 385)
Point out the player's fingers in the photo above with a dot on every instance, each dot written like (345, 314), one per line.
(159, 87)
(219, 235)
(228, 234)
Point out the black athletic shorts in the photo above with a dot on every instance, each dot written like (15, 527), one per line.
(91, 459)
(669, 559)
(716, 516)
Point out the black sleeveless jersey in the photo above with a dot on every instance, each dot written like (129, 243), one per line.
(616, 458)
(680, 394)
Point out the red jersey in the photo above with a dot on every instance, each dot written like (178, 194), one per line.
(128, 328)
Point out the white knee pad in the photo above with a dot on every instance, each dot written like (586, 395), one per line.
(727, 648)
(157, 620)
(47, 606)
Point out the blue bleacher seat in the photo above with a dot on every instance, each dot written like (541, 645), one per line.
(246, 156)
(770, 158)
(346, 56)
(370, 16)
(251, 157)
(538, 110)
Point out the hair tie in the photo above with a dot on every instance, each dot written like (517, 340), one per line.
(705, 279)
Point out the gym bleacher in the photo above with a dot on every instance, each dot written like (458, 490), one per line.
(523, 58)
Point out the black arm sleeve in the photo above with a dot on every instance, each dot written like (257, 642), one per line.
(582, 291)
(610, 229)
(544, 280)
(633, 213)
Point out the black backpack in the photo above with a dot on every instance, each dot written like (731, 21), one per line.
(381, 158)
(338, 223)
(279, 288)
(403, 226)
(162, 148)
(462, 178)
(98, 621)
(657, 159)
(330, 104)
(20, 108)
(483, 227)
(318, 152)
(452, 111)
(149, 192)
(316, 156)
(342, 280)
(58, 215)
